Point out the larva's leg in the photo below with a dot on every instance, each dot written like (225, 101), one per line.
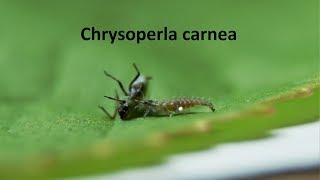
(119, 82)
(112, 117)
(146, 114)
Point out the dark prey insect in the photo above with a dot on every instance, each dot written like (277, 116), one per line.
(137, 90)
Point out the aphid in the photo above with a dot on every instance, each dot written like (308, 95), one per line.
(137, 90)
(173, 106)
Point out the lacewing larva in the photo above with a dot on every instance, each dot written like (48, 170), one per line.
(174, 106)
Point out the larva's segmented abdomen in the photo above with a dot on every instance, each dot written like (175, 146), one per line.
(177, 105)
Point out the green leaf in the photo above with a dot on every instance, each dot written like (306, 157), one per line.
(52, 81)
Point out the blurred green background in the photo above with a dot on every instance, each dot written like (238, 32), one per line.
(51, 81)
